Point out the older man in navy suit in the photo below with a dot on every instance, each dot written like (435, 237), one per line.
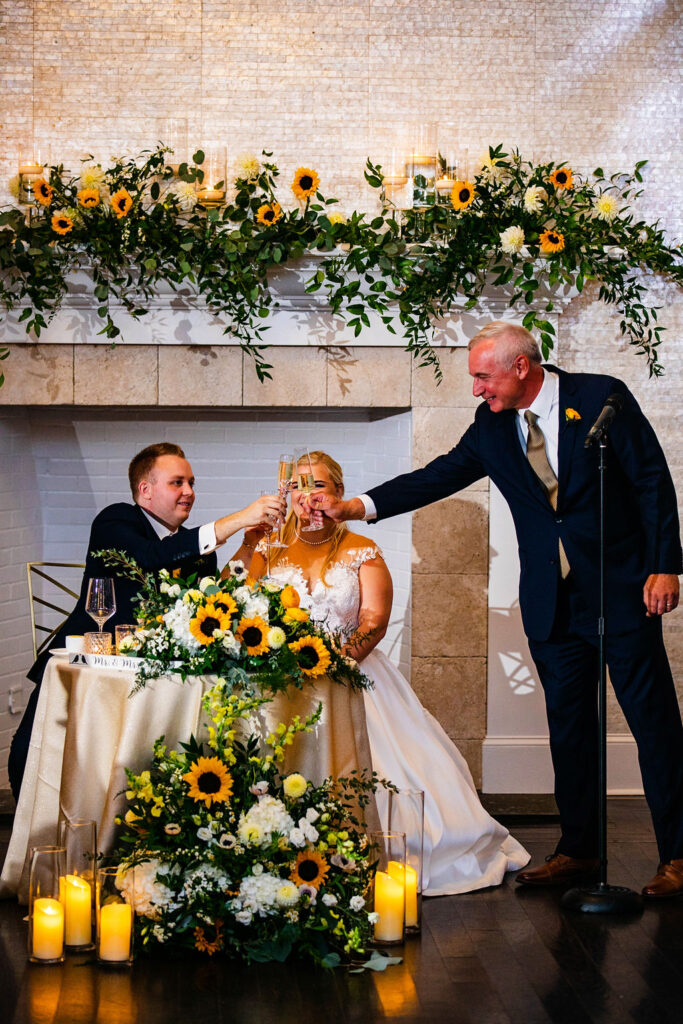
(528, 437)
(151, 531)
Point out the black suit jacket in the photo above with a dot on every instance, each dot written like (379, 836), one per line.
(642, 534)
(126, 527)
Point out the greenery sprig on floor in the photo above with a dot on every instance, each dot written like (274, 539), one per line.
(516, 225)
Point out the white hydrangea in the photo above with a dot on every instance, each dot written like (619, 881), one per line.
(231, 643)
(258, 893)
(141, 889)
(267, 816)
(177, 619)
(252, 604)
(534, 198)
(512, 239)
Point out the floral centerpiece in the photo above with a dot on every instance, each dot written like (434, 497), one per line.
(232, 857)
(253, 633)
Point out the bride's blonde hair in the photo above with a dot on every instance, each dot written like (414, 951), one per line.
(290, 527)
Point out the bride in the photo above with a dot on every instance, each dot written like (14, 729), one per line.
(344, 582)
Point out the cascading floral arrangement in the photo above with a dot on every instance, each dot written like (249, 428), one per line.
(515, 226)
(253, 633)
(233, 857)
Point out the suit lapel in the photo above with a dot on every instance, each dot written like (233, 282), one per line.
(568, 431)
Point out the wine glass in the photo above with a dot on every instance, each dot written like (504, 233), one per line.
(100, 603)
(285, 473)
(305, 484)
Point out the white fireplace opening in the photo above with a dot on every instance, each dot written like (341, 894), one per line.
(62, 465)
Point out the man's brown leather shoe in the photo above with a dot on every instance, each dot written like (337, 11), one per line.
(667, 882)
(558, 870)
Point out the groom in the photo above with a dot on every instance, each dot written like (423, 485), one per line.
(151, 531)
(528, 437)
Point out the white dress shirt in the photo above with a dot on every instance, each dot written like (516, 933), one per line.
(546, 405)
(207, 533)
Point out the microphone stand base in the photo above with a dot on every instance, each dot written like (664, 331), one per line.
(602, 899)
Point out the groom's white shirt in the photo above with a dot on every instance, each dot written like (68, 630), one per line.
(207, 533)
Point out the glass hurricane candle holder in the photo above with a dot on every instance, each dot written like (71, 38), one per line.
(45, 906)
(31, 166)
(98, 643)
(388, 887)
(79, 839)
(121, 632)
(115, 917)
(421, 165)
(406, 814)
(211, 190)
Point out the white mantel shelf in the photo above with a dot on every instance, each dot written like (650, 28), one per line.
(299, 318)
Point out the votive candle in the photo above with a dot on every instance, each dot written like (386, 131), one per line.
(48, 929)
(116, 922)
(390, 905)
(78, 907)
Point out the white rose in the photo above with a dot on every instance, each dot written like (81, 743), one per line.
(356, 903)
(206, 581)
(329, 900)
(297, 837)
(205, 834)
(373, 917)
(244, 916)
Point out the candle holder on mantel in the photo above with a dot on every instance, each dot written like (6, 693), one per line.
(31, 166)
(115, 917)
(211, 190)
(406, 814)
(388, 888)
(45, 905)
(79, 839)
(421, 165)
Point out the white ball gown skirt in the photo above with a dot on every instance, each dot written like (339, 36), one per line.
(464, 847)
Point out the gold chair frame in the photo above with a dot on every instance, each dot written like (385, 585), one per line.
(32, 568)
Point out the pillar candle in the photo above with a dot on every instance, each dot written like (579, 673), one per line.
(78, 906)
(116, 921)
(48, 929)
(407, 878)
(390, 905)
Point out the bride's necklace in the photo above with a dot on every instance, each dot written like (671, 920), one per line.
(313, 543)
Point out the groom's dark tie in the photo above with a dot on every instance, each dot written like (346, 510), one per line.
(538, 459)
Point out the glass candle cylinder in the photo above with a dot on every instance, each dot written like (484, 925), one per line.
(211, 191)
(406, 814)
(121, 632)
(98, 643)
(421, 165)
(173, 133)
(45, 906)
(79, 839)
(389, 894)
(114, 918)
(31, 167)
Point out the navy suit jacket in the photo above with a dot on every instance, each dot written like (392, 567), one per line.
(126, 527)
(642, 532)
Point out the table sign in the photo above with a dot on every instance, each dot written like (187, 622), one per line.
(45, 907)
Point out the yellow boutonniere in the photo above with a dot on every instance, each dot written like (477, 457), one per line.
(571, 415)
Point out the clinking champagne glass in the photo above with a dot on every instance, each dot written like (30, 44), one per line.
(305, 484)
(100, 603)
(285, 474)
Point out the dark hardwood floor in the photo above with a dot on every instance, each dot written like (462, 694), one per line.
(501, 956)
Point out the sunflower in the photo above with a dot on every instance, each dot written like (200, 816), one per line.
(121, 202)
(209, 780)
(269, 213)
(254, 635)
(310, 868)
(209, 946)
(89, 197)
(305, 183)
(43, 192)
(312, 656)
(62, 223)
(206, 621)
(562, 178)
(552, 241)
(223, 603)
(462, 194)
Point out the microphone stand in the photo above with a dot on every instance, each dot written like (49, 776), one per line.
(602, 898)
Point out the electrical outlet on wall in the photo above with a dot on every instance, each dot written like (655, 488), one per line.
(16, 700)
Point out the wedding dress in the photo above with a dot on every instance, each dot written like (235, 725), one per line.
(464, 847)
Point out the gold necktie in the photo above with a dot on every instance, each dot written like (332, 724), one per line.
(538, 460)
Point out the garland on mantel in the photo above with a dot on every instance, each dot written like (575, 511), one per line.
(137, 223)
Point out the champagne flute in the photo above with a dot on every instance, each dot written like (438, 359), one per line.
(285, 475)
(305, 484)
(100, 603)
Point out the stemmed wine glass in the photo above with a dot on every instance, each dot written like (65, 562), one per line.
(100, 603)
(285, 473)
(305, 484)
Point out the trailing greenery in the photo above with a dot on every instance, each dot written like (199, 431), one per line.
(515, 226)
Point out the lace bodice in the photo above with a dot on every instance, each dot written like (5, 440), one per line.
(336, 605)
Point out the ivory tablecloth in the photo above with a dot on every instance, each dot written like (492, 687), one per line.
(88, 730)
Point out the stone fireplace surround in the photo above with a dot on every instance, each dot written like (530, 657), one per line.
(177, 372)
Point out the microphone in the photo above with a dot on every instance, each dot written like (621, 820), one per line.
(613, 405)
